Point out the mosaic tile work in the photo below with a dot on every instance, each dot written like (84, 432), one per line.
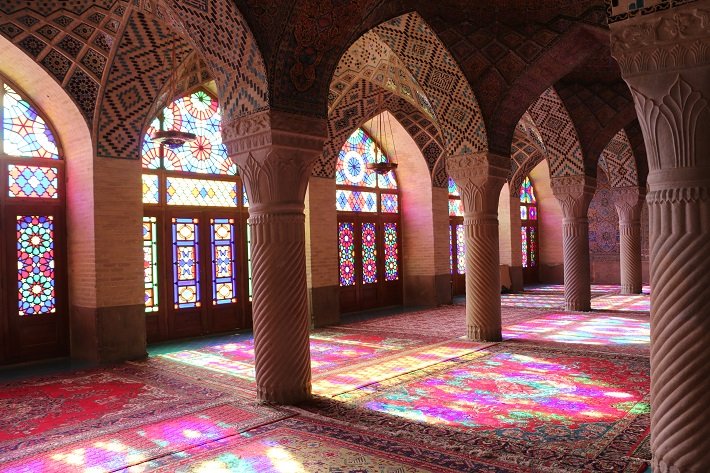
(439, 75)
(564, 153)
(603, 221)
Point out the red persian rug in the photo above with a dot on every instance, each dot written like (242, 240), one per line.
(43, 415)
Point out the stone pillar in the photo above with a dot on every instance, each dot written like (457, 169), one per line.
(664, 60)
(275, 151)
(574, 194)
(480, 177)
(629, 203)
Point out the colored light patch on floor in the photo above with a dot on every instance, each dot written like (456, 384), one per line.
(518, 393)
(630, 303)
(596, 289)
(571, 328)
(540, 301)
(368, 373)
(300, 446)
(134, 446)
(329, 350)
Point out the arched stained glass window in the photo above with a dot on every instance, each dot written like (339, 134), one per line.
(196, 113)
(195, 224)
(368, 225)
(529, 224)
(32, 209)
(457, 240)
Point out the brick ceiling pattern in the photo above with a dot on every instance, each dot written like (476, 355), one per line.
(618, 163)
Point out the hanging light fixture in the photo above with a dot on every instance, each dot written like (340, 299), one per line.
(172, 138)
(383, 134)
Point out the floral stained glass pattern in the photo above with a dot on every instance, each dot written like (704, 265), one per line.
(25, 133)
(201, 192)
(186, 270)
(196, 113)
(369, 253)
(460, 249)
(33, 181)
(391, 253)
(528, 217)
(451, 249)
(223, 261)
(390, 203)
(150, 263)
(151, 193)
(249, 261)
(35, 265)
(524, 238)
(355, 201)
(346, 253)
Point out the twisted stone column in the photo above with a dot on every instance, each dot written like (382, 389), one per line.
(274, 152)
(575, 194)
(663, 58)
(628, 202)
(480, 177)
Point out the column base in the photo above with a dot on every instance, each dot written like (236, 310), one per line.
(480, 334)
(283, 395)
(659, 466)
(630, 290)
(577, 306)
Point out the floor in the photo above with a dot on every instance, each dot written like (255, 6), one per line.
(395, 392)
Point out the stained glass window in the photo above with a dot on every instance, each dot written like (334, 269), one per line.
(346, 253)
(201, 192)
(35, 265)
(355, 201)
(391, 254)
(223, 261)
(196, 113)
(369, 253)
(25, 133)
(460, 249)
(33, 181)
(186, 269)
(528, 217)
(453, 188)
(151, 193)
(150, 263)
(390, 203)
(524, 239)
(451, 249)
(249, 259)
(455, 205)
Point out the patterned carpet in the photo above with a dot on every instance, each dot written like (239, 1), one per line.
(565, 392)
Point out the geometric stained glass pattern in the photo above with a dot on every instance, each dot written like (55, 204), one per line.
(150, 263)
(223, 261)
(351, 168)
(391, 255)
(356, 201)
(453, 189)
(524, 239)
(346, 253)
(186, 268)
(201, 192)
(35, 265)
(455, 208)
(527, 194)
(151, 194)
(390, 203)
(196, 113)
(369, 253)
(32, 181)
(25, 133)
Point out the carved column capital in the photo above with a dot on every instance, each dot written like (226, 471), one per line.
(674, 39)
(628, 202)
(479, 177)
(275, 152)
(574, 194)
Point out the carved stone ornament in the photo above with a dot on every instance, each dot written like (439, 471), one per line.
(574, 194)
(479, 177)
(676, 38)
